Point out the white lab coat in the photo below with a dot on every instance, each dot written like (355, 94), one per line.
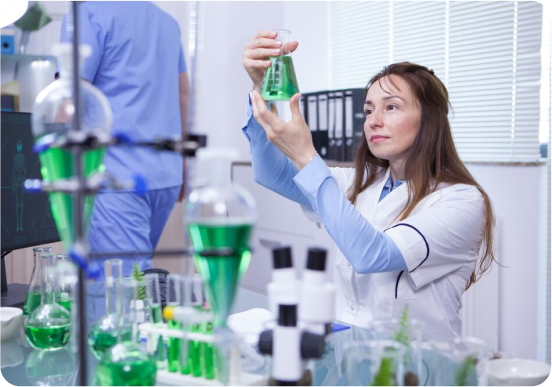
(439, 241)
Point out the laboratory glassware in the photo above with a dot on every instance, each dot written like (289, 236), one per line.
(48, 327)
(174, 296)
(51, 368)
(103, 334)
(374, 363)
(220, 215)
(65, 289)
(280, 81)
(52, 116)
(156, 345)
(32, 299)
(126, 364)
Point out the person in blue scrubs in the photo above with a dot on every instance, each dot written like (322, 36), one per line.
(138, 62)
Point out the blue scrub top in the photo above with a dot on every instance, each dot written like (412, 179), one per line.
(136, 61)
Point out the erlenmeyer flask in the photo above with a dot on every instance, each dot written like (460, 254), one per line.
(48, 327)
(126, 364)
(103, 334)
(53, 115)
(220, 214)
(32, 299)
(280, 82)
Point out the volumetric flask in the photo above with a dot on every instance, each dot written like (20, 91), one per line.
(32, 299)
(280, 82)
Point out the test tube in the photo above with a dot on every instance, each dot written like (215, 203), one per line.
(174, 289)
(155, 341)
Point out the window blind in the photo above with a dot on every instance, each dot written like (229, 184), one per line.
(487, 53)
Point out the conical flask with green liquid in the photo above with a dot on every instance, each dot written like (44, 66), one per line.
(280, 81)
(32, 299)
(52, 114)
(48, 327)
(126, 363)
(220, 214)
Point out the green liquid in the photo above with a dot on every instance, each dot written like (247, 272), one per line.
(156, 318)
(208, 354)
(132, 369)
(221, 274)
(100, 341)
(280, 82)
(175, 346)
(194, 353)
(32, 301)
(48, 337)
(58, 164)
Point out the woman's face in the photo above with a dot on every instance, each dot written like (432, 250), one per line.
(393, 117)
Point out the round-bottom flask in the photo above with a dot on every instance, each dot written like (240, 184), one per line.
(48, 327)
(126, 363)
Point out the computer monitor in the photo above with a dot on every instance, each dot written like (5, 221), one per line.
(26, 217)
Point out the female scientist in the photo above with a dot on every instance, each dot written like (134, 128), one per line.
(411, 224)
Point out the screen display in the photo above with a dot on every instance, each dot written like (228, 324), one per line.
(26, 217)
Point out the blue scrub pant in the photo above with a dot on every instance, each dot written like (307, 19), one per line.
(125, 222)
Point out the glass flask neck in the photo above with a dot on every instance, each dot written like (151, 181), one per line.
(283, 36)
(127, 297)
(113, 273)
(48, 265)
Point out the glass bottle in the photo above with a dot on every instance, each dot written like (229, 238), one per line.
(126, 364)
(32, 299)
(48, 327)
(155, 344)
(280, 82)
(52, 115)
(103, 334)
(374, 363)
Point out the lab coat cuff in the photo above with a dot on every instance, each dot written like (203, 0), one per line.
(413, 248)
(311, 177)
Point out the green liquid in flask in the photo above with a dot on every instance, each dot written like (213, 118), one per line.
(48, 337)
(100, 341)
(65, 302)
(32, 301)
(134, 370)
(221, 274)
(58, 164)
(280, 82)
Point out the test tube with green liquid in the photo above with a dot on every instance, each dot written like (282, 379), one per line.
(174, 288)
(155, 342)
(280, 82)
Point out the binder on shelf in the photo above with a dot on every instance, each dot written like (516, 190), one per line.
(312, 117)
(337, 150)
(354, 121)
(331, 123)
(322, 133)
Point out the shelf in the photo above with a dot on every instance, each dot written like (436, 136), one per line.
(17, 58)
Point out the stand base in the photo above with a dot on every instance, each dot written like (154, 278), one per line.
(15, 295)
(165, 377)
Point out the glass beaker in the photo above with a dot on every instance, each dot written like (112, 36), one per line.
(32, 299)
(52, 115)
(156, 345)
(103, 334)
(374, 363)
(125, 364)
(458, 362)
(280, 82)
(48, 327)
(408, 332)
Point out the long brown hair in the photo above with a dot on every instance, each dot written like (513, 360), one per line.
(432, 158)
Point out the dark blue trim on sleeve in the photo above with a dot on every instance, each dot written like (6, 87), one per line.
(422, 235)
(397, 284)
